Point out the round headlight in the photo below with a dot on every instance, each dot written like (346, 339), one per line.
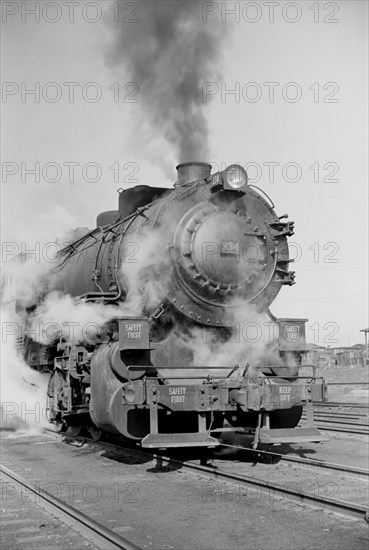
(235, 177)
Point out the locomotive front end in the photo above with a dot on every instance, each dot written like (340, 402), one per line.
(192, 349)
(228, 250)
(226, 258)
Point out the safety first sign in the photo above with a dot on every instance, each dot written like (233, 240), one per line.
(134, 334)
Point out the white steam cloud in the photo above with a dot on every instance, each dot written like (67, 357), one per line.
(145, 273)
(61, 316)
(23, 390)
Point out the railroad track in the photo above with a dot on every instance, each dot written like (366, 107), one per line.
(309, 462)
(341, 417)
(98, 534)
(334, 425)
(272, 489)
(342, 405)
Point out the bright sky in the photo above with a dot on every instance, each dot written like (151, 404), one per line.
(319, 140)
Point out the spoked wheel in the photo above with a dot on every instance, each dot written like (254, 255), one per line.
(60, 426)
(95, 432)
(74, 431)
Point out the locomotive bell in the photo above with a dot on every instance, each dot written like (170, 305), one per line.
(192, 171)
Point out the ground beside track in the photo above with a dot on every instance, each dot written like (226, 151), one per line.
(313, 481)
(341, 448)
(24, 524)
(161, 509)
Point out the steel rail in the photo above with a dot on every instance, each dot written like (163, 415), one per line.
(86, 526)
(344, 414)
(342, 419)
(339, 429)
(339, 405)
(336, 420)
(352, 420)
(338, 409)
(271, 489)
(345, 383)
(342, 507)
(339, 412)
(315, 463)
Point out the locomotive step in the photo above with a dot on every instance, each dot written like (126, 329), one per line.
(291, 435)
(164, 441)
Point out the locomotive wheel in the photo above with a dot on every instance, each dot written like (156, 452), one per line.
(74, 430)
(60, 426)
(95, 432)
(285, 418)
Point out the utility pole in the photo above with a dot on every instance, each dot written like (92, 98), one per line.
(366, 332)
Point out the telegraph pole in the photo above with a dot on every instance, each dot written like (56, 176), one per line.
(366, 332)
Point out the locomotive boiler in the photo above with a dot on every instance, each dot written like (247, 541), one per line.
(190, 272)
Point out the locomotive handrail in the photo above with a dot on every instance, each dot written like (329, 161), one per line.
(137, 367)
(183, 378)
(110, 296)
(203, 376)
(272, 205)
(105, 228)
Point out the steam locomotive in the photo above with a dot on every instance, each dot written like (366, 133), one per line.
(190, 270)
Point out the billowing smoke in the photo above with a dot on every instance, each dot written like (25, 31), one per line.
(169, 53)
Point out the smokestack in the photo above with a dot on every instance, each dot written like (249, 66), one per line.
(192, 171)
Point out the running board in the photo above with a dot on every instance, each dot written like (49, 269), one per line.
(291, 435)
(164, 441)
